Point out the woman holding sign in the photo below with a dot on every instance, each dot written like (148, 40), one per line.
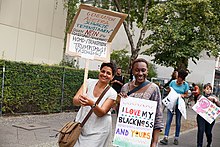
(144, 89)
(97, 130)
(203, 125)
(181, 87)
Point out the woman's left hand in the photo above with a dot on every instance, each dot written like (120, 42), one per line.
(85, 101)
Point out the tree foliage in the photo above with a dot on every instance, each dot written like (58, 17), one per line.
(121, 59)
(137, 15)
(181, 30)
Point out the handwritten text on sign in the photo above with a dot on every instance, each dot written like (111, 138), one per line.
(95, 25)
(87, 46)
(135, 122)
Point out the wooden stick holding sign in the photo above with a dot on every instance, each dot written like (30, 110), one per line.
(91, 33)
(85, 76)
(87, 67)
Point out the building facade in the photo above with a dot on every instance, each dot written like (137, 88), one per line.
(32, 30)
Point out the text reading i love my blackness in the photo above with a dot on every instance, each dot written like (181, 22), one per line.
(135, 122)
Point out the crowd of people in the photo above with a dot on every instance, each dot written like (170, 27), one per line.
(97, 131)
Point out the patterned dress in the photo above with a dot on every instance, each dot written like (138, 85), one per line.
(97, 130)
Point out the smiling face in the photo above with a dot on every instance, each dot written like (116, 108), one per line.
(140, 71)
(105, 74)
(208, 90)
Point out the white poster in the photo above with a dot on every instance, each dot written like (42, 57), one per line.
(170, 100)
(92, 31)
(206, 109)
(182, 107)
(135, 122)
(88, 47)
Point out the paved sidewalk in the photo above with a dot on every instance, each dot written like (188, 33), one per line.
(17, 137)
(188, 138)
(11, 136)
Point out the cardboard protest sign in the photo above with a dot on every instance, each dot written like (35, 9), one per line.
(135, 122)
(92, 31)
(206, 109)
(170, 100)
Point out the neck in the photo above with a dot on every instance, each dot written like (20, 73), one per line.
(137, 83)
(101, 85)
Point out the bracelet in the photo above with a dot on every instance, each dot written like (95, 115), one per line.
(93, 106)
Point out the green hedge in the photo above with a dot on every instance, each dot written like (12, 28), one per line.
(31, 88)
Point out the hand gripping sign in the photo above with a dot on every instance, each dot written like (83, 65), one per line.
(206, 109)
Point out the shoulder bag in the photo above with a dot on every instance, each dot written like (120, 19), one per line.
(69, 133)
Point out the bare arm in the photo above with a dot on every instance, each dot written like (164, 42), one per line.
(101, 111)
(98, 110)
(184, 95)
(154, 141)
(76, 97)
(214, 100)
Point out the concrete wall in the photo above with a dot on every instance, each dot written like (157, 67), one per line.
(32, 30)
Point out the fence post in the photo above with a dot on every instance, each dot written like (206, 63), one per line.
(63, 80)
(3, 81)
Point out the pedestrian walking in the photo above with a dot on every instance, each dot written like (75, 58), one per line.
(181, 87)
(195, 92)
(203, 125)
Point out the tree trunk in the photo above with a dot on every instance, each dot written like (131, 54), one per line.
(182, 64)
(134, 51)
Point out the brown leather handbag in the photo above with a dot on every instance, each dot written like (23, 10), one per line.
(70, 132)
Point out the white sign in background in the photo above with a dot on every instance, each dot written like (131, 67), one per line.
(170, 100)
(135, 122)
(88, 47)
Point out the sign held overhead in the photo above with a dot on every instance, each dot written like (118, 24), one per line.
(92, 31)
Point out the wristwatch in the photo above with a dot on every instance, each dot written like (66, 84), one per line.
(93, 106)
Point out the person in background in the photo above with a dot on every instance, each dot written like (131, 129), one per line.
(173, 77)
(131, 76)
(97, 130)
(117, 83)
(203, 125)
(181, 87)
(166, 86)
(195, 92)
(148, 92)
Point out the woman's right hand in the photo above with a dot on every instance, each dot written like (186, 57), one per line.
(85, 101)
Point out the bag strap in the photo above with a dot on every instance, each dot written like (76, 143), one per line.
(139, 87)
(96, 103)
